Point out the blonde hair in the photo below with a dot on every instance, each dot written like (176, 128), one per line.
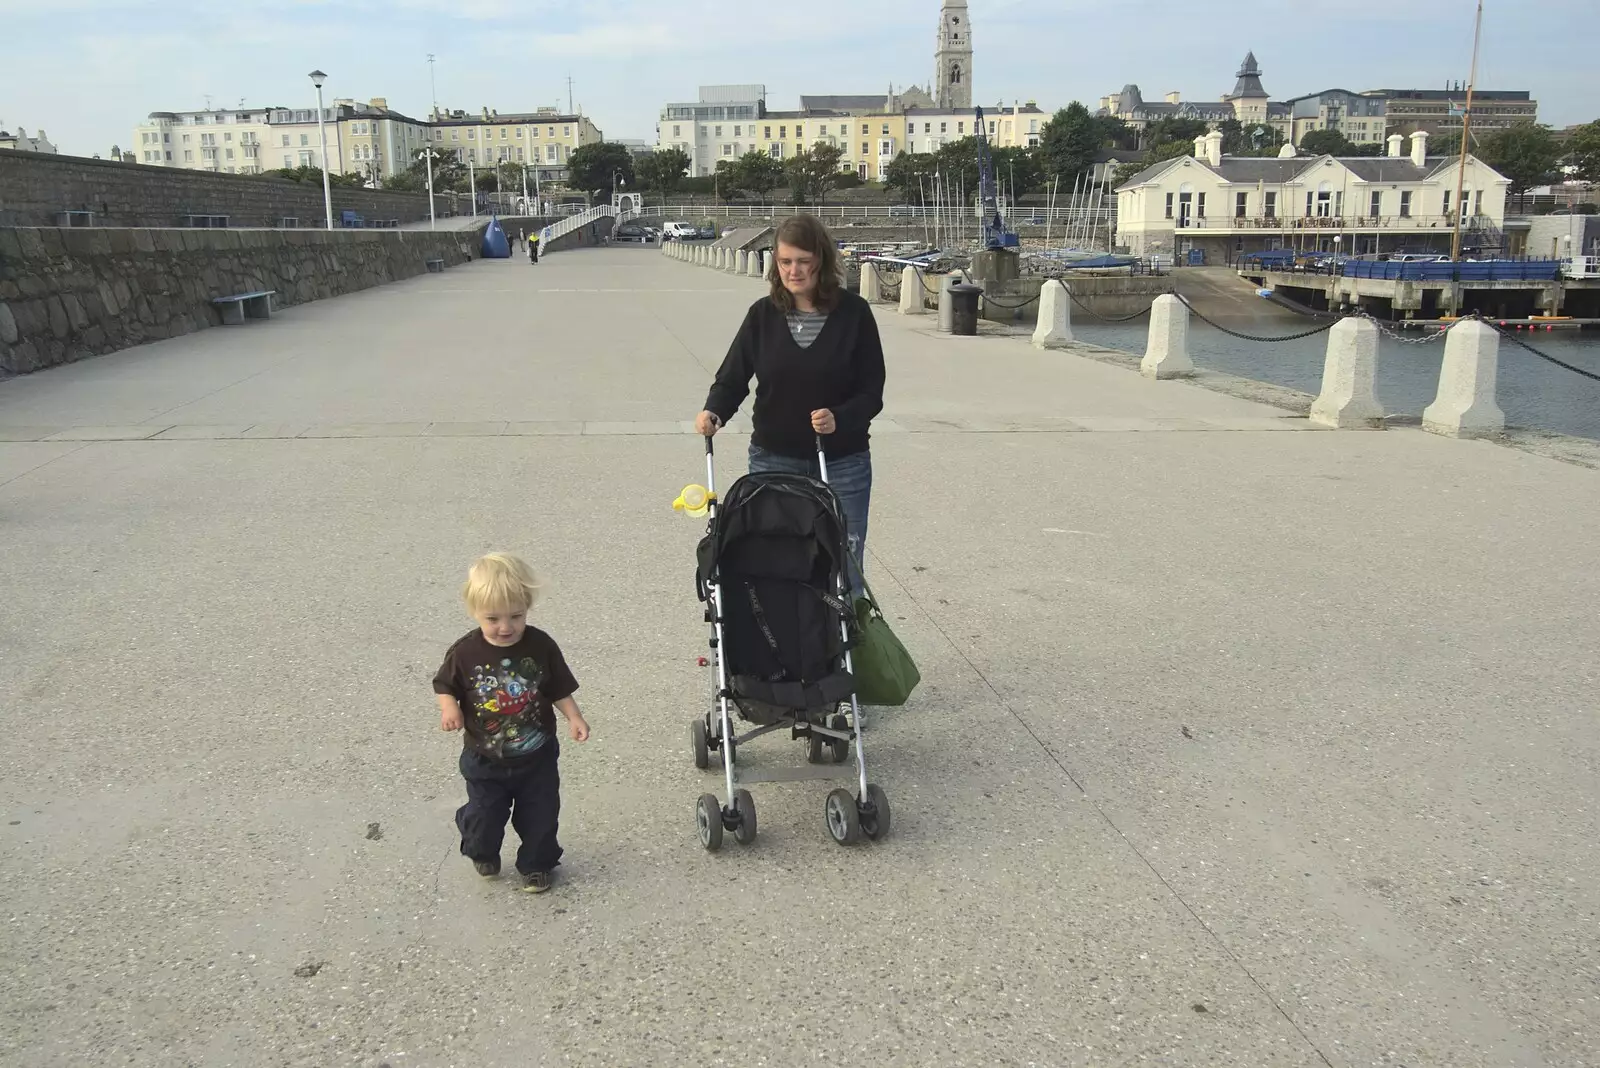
(499, 581)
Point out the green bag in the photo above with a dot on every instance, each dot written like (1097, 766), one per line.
(885, 673)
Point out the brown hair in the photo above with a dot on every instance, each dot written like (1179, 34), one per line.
(806, 232)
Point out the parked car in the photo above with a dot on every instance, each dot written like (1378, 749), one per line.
(707, 233)
(682, 231)
(630, 232)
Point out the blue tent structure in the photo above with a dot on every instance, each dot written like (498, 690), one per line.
(495, 245)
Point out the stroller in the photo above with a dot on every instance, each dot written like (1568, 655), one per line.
(772, 574)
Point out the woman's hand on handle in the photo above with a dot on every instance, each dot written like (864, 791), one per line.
(706, 424)
(823, 422)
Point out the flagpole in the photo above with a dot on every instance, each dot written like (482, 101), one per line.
(1466, 130)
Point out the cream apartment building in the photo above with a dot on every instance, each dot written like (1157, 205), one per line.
(1229, 205)
(542, 140)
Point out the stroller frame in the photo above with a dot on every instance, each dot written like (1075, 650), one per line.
(848, 818)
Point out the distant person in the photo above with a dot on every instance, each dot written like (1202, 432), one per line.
(813, 348)
(533, 247)
(499, 683)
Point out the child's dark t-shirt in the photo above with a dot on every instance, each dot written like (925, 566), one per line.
(506, 693)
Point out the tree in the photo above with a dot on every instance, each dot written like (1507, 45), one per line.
(1258, 140)
(449, 174)
(1583, 152)
(1526, 153)
(1325, 142)
(758, 173)
(1116, 133)
(1019, 170)
(314, 174)
(1170, 150)
(903, 174)
(1174, 130)
(596, 168)
(663, 170)
(1069, 142)
(813, 172)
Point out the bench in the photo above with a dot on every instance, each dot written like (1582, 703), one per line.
(435, 264)
(237, 308)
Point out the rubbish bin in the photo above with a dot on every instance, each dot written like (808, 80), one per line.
(964, 308)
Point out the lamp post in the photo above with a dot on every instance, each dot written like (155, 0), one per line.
(430, 155)
(472, 185)
(317, 78)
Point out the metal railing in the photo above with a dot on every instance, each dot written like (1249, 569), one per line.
(1021, 214)
(1469, 224)
(563, 227)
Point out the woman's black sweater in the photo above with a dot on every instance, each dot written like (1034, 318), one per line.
(842, 371)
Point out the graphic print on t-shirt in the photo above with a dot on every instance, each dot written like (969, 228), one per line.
(506, 699)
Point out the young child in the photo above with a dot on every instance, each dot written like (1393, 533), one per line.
(500, 682)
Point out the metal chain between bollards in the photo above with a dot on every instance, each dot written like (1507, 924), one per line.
(1096, 315)
(1510, 335)
(1252, 337)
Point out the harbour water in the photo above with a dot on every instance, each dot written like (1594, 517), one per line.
(1534, 394)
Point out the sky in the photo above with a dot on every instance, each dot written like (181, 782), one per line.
(89, 71)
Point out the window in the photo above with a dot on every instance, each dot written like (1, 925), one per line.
(961, 127)
(677, 131)
(886, 129)
(227, 137)
(288, 160)
(553, 130)
(944, 127)
(519, 133)
(927, 127)
(1478, 203)
(472, 135)
(775, 150)
(188, 156)
(719, 131)
(1446, 202)
(738, 131)
(186, 139)
(886, 147)
(519, 153)
(1241, 205)
(566, 131)
(455, 135)
(472, 154)
(550, 153)
(1375, 208)
(727, 150)
(991, 127)
(783, 131)
(863, 151)
(1270, 208)
(865, 129)
(230, 153)
(169, 157)
(844, 130)
(1169, 205)
(1200, 205)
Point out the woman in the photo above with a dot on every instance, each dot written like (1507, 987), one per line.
(813, 348)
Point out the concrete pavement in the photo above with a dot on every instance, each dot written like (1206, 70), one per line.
(1240, 743)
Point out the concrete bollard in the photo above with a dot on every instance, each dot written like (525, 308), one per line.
(911, 292)
(743, 264)
(871, 288)
(947, 303)
(723, 255)
(756, 259)
(1466, 406)
(1166, 353)
(1054, 329)
(1349, 399)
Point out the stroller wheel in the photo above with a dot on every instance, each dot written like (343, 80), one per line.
(844, 822)
(840, 748)
(876, 825)
(697, 744)
(744, 810)
(708, 818)
(814, 744)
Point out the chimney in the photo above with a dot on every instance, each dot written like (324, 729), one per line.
(1174, 97)
(1396, 141)
(1214, 148)
(1419, 148)
(1201, 146)
(380, 102)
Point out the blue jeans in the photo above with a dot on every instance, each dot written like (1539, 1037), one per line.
(851, 480)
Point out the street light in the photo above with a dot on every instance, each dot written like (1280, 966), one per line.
(430, 155)
(317, 78)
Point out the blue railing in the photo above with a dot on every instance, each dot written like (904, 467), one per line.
(1465, 271)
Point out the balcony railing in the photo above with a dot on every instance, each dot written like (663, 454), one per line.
(1335, 223)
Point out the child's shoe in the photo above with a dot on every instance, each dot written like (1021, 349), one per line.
(536, 882)
(487, 868)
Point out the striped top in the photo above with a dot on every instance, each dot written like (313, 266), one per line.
(804, 326)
